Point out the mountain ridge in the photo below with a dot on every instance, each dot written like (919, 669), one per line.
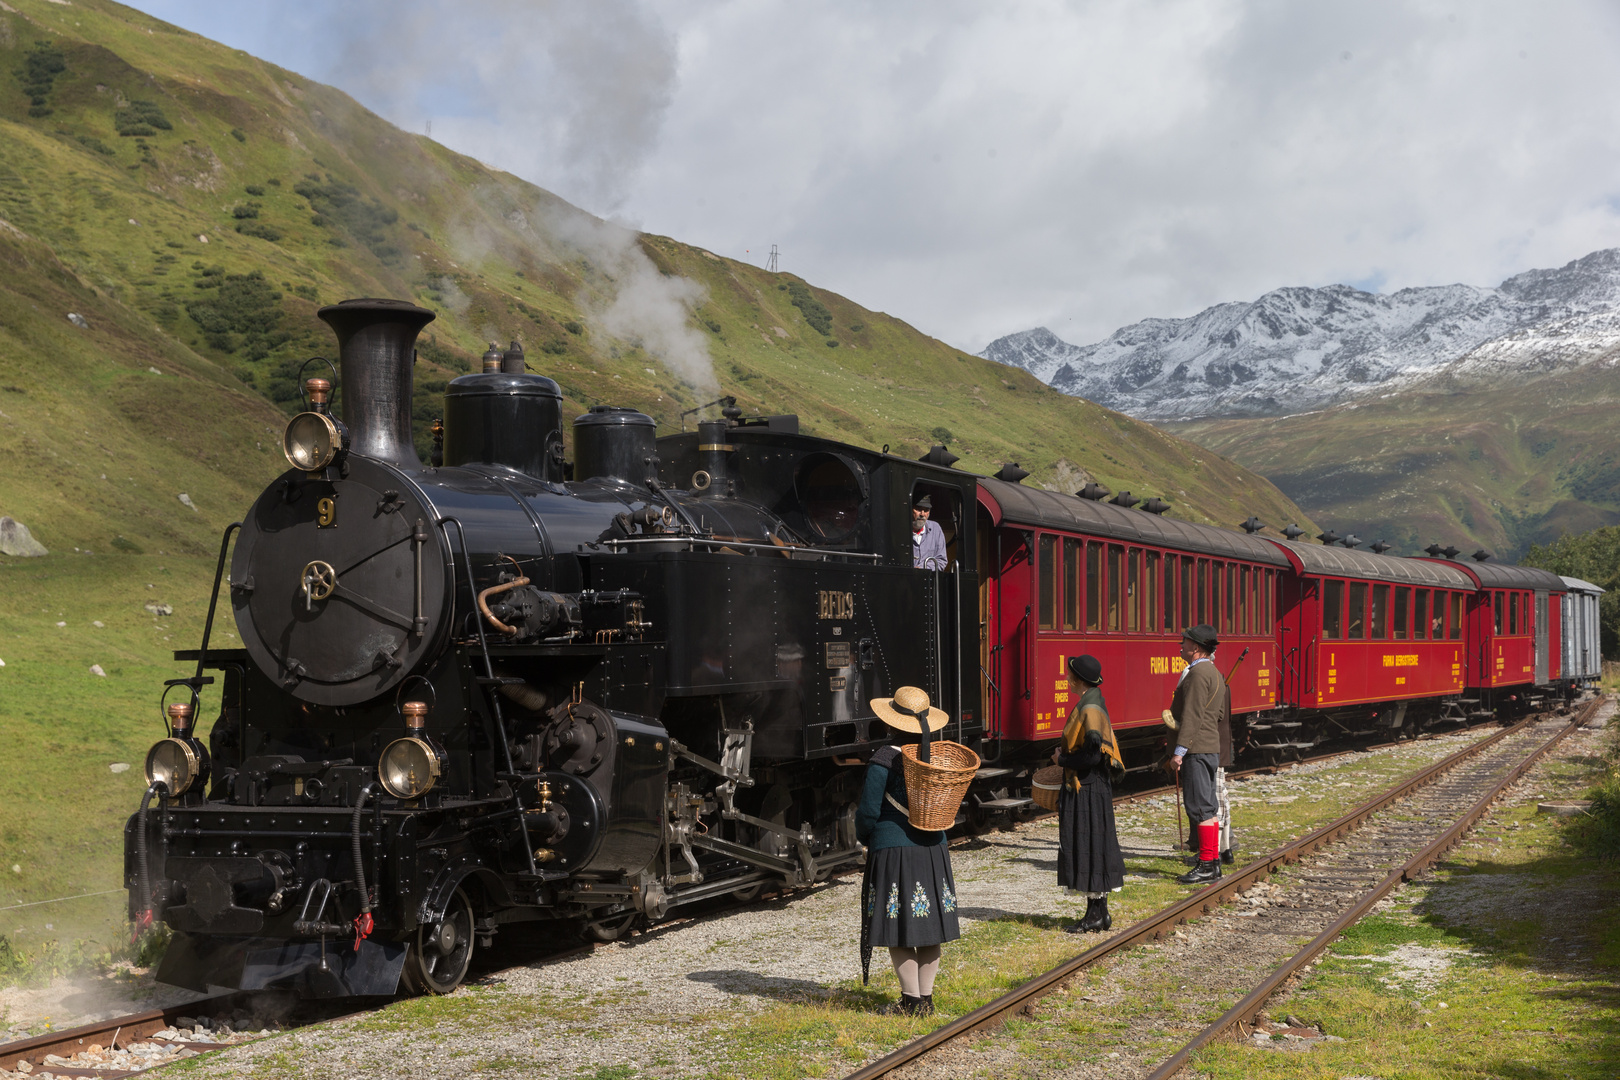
(1301, 348)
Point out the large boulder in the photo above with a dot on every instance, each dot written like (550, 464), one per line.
(15, 539)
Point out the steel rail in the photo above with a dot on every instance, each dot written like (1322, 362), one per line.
(1156, 926)
(1244, 1010)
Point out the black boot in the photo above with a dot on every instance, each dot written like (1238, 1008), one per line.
(1229, 856)
(1084, 925)
(1203, 873)
(925, 1005)
(906, 1006)
(1097, 918)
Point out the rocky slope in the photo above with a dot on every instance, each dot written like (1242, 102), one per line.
(1296, 349)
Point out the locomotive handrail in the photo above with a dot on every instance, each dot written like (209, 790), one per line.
(739, 544)
(444, 524)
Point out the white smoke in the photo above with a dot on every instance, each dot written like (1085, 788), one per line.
(639, 304)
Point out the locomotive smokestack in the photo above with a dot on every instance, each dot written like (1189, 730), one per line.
(377, 349)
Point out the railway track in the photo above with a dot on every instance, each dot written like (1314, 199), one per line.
(1352, 863)
(181, 1037)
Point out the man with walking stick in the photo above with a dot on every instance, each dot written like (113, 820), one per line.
(1201, 708)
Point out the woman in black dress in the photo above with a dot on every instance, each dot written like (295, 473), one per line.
(908, 897)
(1089, 859)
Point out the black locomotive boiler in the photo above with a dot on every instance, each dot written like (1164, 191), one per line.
(507, 686)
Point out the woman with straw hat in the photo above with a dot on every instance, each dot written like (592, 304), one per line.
(1089, 859)
(908, 896)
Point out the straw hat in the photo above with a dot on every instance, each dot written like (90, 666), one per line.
(912, 701)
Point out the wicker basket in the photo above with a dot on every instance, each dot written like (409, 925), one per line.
(1045, 785)
(935, 788)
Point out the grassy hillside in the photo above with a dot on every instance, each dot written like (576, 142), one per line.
(1504, 468)
(193, 207)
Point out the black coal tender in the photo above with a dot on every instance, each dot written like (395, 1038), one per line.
(508, 687)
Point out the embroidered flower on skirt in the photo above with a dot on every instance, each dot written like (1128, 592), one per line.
(919, 902)
(892, 908)
(947, 899)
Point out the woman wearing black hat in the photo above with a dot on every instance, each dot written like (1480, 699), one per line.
(1089, 859)
(908, 896)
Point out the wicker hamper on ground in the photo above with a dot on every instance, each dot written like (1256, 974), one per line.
(935, 788)
(1045, 785)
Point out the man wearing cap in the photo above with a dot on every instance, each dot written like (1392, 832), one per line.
(1200, 706)
(927, 538)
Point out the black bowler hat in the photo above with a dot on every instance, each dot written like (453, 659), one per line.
(924, 503)
(1086, 668)
(1202, 635)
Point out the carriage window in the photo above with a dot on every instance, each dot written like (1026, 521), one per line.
(1169, 593)
(1456, 618)
(1201, 596)
(1093, 586)
(1403, 605)
(1354, 628)
(1150, 613)
(1116, 578)
(1186, 593)
(1232, 599)
(1262, 601)
(1048, 581)
(1215, 571)
(1513, 613)
(1245, 600)
(1380, 612)
(1420, 615)
(1071, 584)
(1133, 591)
(1497, 605)
(1333, 609)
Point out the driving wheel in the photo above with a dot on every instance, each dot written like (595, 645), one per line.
(437, 956)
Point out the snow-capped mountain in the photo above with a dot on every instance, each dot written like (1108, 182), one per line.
(1304, 348)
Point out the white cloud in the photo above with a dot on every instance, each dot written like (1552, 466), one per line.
(976, 169)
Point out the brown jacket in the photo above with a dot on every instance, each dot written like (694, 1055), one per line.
(1202, 707)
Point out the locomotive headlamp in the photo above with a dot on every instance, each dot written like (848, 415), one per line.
(313, 440)
(409, 767)
(175, 762)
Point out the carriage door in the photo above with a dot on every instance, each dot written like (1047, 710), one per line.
(989, 688)
(1541, 638)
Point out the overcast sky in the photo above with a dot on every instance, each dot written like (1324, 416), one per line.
(977, 169)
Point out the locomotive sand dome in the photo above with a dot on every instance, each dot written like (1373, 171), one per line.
(326, 554)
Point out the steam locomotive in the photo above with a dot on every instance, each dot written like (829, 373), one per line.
(507, 686)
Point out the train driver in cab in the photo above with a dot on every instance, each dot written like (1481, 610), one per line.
(927, 538)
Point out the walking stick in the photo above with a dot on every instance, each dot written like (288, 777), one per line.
(1181, 842)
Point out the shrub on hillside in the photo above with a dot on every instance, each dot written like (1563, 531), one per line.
(141, 118)
(254, 189)
(244, 315)
(259, 229)
(92, 143)
(815, 312)
(340, 205)
(43, 63)
(238, 134)
(245, 210)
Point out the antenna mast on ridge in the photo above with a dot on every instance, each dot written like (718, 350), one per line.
(771, 265)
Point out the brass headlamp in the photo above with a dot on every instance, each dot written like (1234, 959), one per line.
(315, 438)
(180, 760)
(410, 767)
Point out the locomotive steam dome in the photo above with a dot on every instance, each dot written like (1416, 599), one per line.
(512, 420)
(340, 579)
(615, 442)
